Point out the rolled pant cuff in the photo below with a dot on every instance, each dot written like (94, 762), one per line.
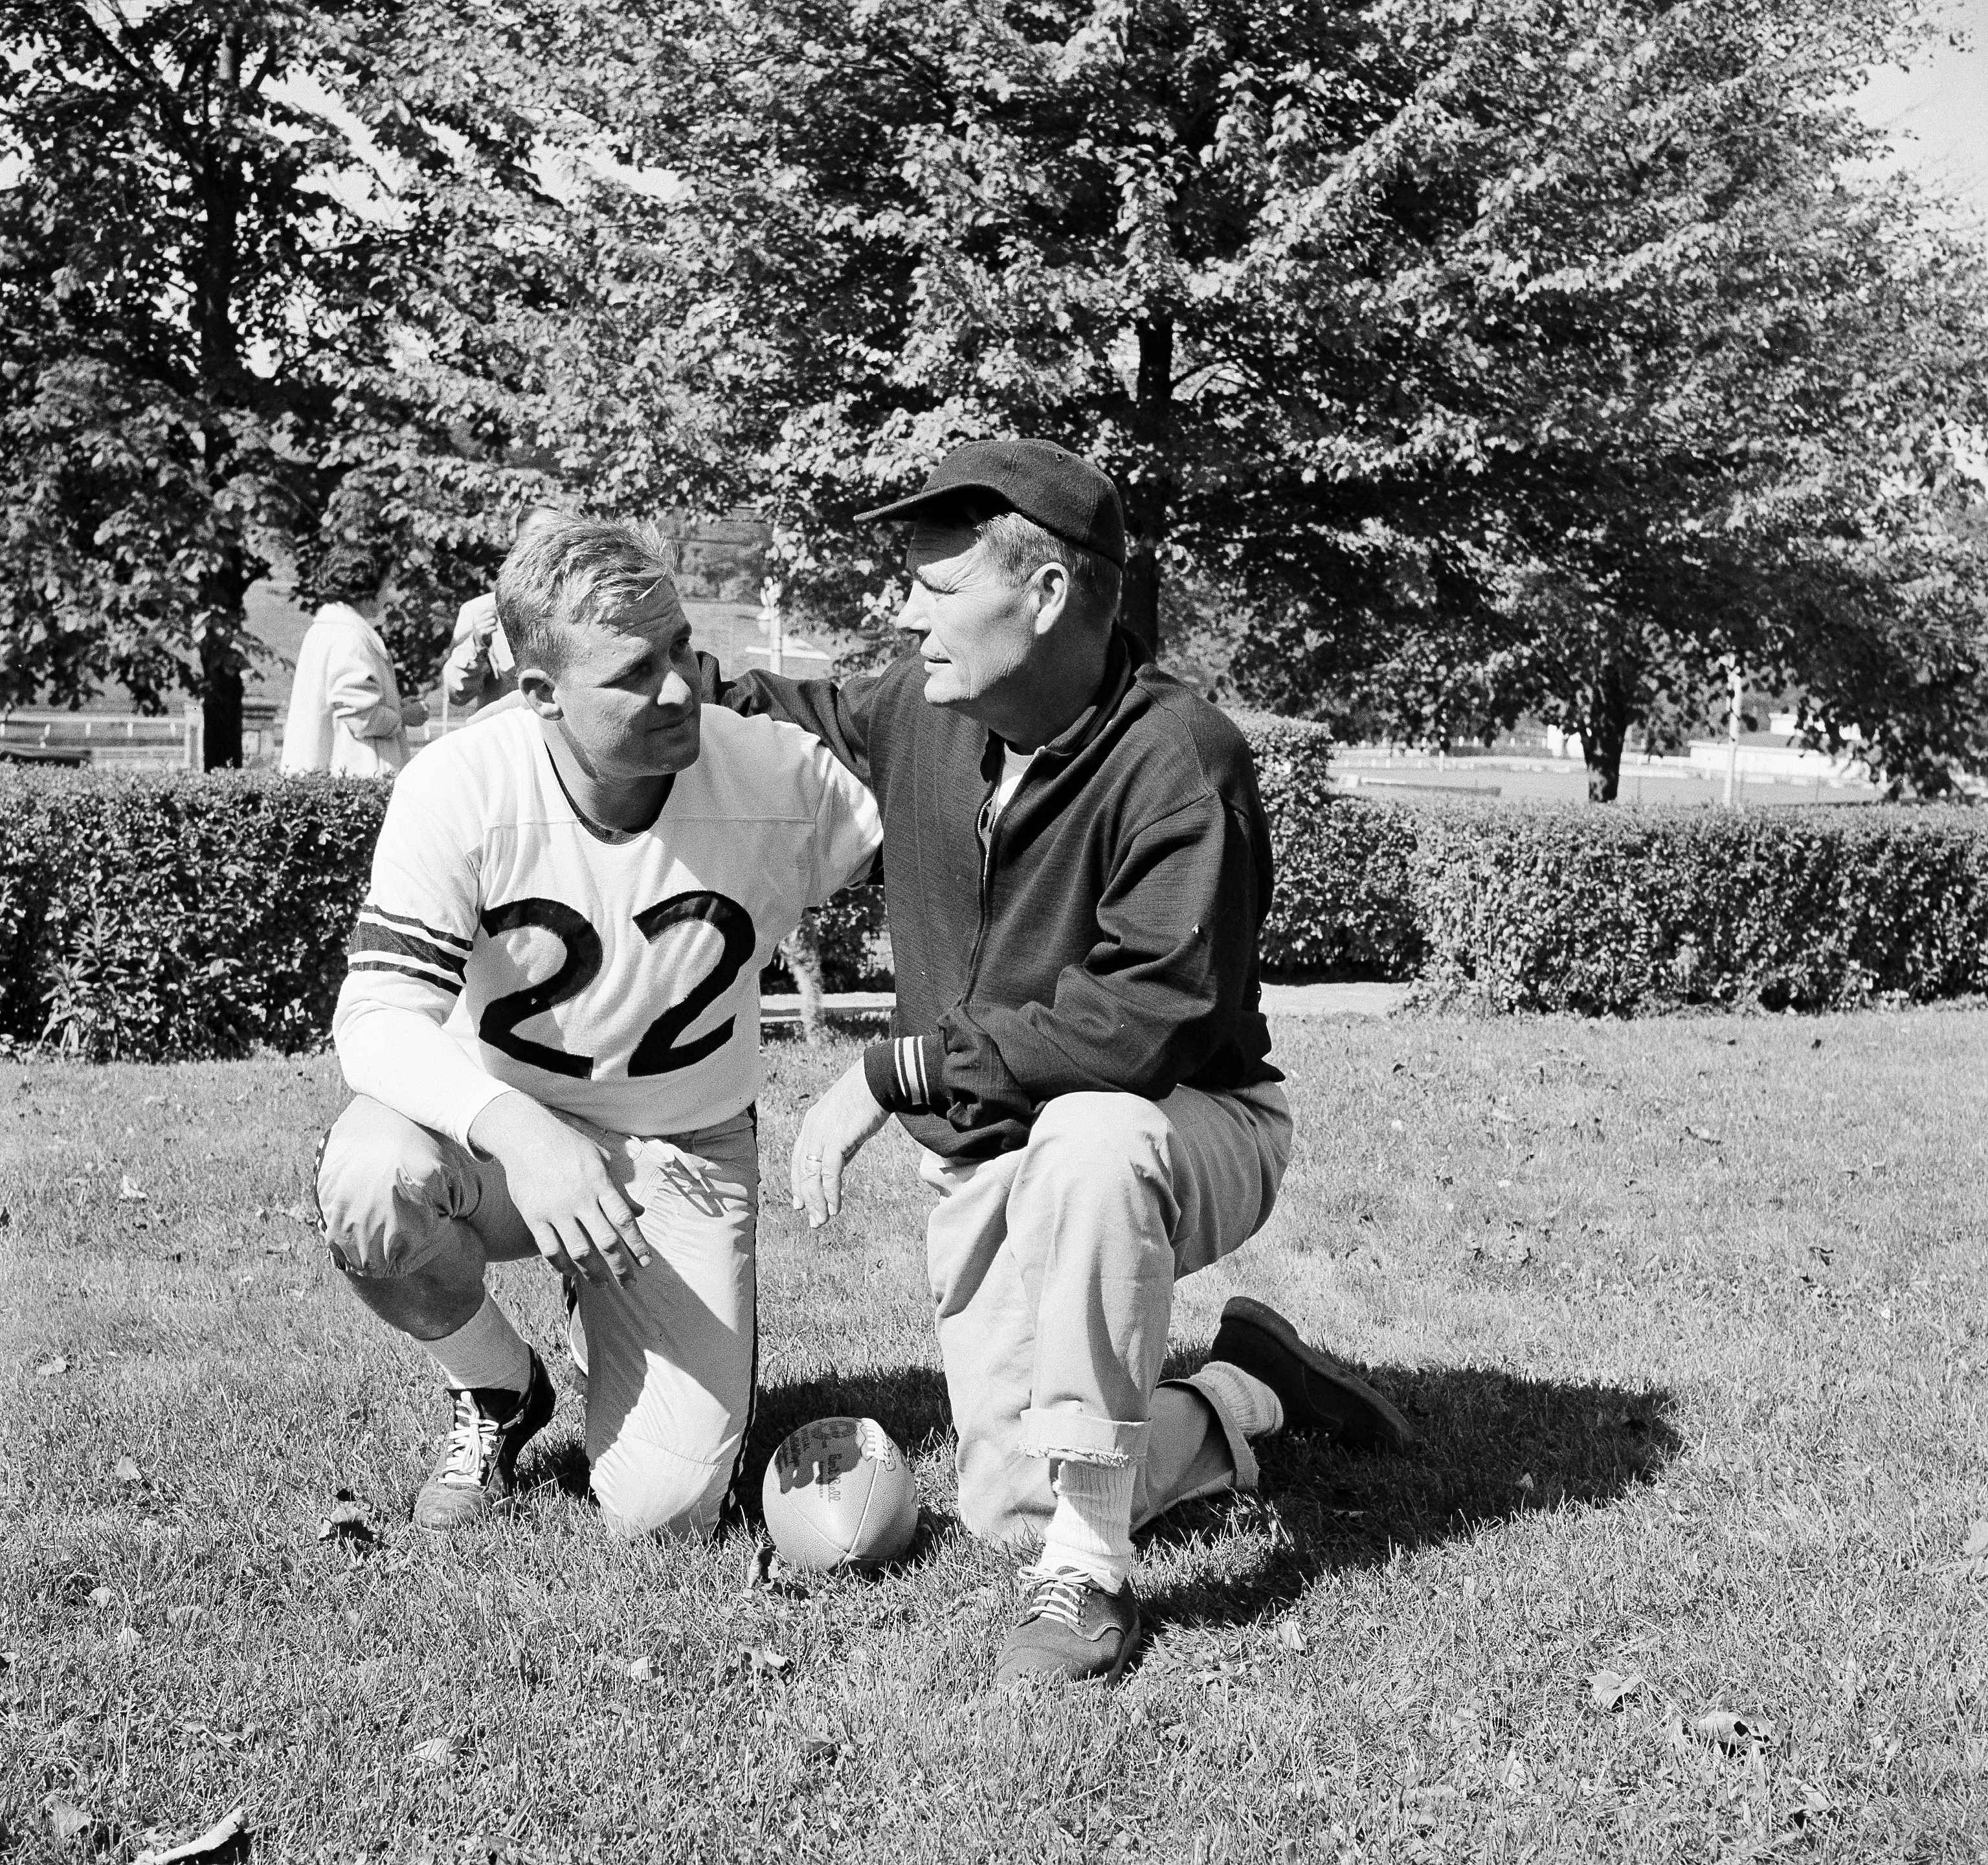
(1080, 1438)
(1247, 1472)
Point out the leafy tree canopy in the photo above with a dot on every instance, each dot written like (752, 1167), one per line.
(202, 375)
(1469, 359)
(1496, 358)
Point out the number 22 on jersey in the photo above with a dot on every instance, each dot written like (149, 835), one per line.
(658, 1053)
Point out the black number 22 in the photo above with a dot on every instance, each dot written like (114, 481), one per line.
(658, 1053)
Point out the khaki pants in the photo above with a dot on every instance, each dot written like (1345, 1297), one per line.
(1052, 1271)
(671, 1356)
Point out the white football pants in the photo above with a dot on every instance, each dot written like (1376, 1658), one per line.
(1052, 1271)
(671, 1355)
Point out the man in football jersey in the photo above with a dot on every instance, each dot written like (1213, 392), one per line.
(1076, 867)
(550, 1022)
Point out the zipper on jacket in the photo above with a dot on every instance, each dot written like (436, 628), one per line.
(986, 875)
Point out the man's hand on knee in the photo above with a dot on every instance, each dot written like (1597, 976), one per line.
(558, 1182)
(836, 1128)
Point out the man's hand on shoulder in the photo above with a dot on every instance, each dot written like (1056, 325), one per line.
(836, 1129)
(558, 1182)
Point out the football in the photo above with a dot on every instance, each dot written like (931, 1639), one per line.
(839, 1493)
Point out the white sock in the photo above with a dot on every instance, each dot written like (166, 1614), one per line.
(485, 1351)
(1092, 1528)
(1241, 1397)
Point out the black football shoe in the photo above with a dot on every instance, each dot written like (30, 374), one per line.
(491, 1425)
(1318, 1392)
(1072, 1628)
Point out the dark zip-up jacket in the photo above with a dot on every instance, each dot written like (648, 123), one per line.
(1106, 938)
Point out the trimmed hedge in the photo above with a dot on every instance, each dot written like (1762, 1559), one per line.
(1612, 912)
(1341, 906)
(149, 917)
(1343, 898)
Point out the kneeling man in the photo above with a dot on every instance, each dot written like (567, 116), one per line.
(551, 1024)
(1077, 866)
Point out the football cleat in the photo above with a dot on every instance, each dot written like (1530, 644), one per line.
(491, 1425)
(1071, 1628)
(1317, 1392)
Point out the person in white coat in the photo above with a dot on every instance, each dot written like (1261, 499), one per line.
(347, 715)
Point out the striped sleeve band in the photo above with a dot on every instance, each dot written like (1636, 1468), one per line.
(904, 1074)
(383, 941)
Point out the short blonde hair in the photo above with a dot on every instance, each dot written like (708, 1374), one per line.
(566, 571)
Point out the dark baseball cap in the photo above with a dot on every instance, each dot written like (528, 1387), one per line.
(1061, 491)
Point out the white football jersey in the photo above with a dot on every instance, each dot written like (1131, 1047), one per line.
(614, 979)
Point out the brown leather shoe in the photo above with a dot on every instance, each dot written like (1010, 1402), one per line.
(489, 1427)
(1071, 1628)
(1318, 1392)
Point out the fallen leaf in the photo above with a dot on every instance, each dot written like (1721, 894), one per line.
(222, 1833)
(1426, 1806)
(183, 1618)
(49, 1368)
(765, 1569)
(1706, 1134)
(1814, 1802)
(1609, 1687)
(347, 1520)
(438, 1751)
(129, 1639)
(1973, 1563)
(643, 1671)
(1725, 1730)
(127, 1191)
(1513, 1773)
(1290, 1635)
(154, 1101)
(763, 1660)
(126, 1470)
(70, 1823)
(101, 1596)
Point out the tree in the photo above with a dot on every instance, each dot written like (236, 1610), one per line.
(197, 278)
(1699, 398)
(904, 227)
(1495, 358)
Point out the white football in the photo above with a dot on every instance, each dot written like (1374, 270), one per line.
(839, 1493)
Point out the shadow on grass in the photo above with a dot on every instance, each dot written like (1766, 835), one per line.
(1492, 1446)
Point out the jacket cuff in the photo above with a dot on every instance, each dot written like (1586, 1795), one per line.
(904, 1074)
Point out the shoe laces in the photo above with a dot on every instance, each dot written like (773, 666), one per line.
(1059, 1593)
(473, 1436)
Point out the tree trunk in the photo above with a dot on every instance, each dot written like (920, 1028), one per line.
(1149, 495)
(220, 188)
(1602, 736)
(220, 701)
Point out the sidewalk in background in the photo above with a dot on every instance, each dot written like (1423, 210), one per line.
(1278, 1001)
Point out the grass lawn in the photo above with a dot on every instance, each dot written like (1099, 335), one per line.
(1689, 1313)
